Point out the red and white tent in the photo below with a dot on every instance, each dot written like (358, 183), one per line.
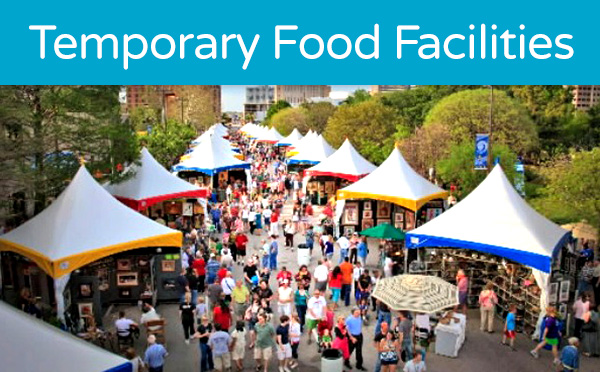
(152, 184)
(345, 163)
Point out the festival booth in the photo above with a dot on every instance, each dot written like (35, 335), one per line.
(291, 140)
(270, 136)
(491, 225)
(307, 139)
(30, 345)
(344, 166)
(104, 250)
(310, 153)
(393, 193)
(213, 159)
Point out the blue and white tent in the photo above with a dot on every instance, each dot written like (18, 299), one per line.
(30, 345)
(494, 219)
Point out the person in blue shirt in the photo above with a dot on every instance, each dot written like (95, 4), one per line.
(354, 324)
(570, 356)
(273, 252)
(363, 250)
(155, 355)
(212, 267)
(510, 326)
(216, 217)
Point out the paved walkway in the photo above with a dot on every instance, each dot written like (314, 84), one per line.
(481, 351)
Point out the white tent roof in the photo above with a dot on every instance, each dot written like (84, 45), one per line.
(219, 141)
(270, 135)
(291, 138)
(152, 183)
(85, 223)
(394, 181)
(494, 218)
(209, 157)
(346, 163)
(30, 345)
(312, 152)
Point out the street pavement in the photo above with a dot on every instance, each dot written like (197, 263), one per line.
(480, 352)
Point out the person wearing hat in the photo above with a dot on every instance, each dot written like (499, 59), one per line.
(285, 296)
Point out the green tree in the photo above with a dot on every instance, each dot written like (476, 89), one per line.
(466, 113)
(359, 96)
(276, 107)
(289, 118)
(317, 114)
(47, 122)
(457, 167)
(572, 191)
(167, 142)
(141, 117)
(369, 125)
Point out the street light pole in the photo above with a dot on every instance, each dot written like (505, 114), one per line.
(490, 157)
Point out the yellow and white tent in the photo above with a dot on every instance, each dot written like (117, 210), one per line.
(85, 223)
(396, 182)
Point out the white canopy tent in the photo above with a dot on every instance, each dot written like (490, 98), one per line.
(30, 345)
(291, 139)
(151, 184)
(312, 152)
(85, 223)
(345, 163)
(495, 219)
(270, 136)
(396, 182)
(210, 158)
(304, 141)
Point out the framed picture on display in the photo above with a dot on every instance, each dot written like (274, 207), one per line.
(366, 224)
(350, 214)
(103, 282)
(85, 290)
(368, 214)
(129, 279)
(330, 187)
(553, 293)
(85, 308)
(187, 209)
(384, 209)
(167, 266)
(349, 230)
(123, 264)
(367, 206)
(565, 287)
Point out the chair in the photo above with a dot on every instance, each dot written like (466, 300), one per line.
(158, 331)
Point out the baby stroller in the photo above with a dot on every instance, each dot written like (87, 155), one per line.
(321, 328)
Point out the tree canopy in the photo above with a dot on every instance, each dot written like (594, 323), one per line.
(369, 125)
(275, 108)
(289, 118)
(167, 142)
(317, 114)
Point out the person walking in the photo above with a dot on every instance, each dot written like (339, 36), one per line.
(284, 349)
(273, 252)
(416, 364)
(238, 346)
(388, 352)
(295, 333)
(380, 335)
(362, 251)
(510, 327)
(241, 298)
(314, 314)
(581, 309)
(222, 316)
(354, 322)
(155, 355)
(341, 341)
(285, 297)
(335, 284)
(220, 343)
(354, 240)
(186, 314)
(263, 349)
(569, 357)
(462, 282)
(487, 306)
(551, 335)
(404, 329)
(591, 334)
(301, 304)
(344, 245)
(303, 277)
(309, 235)
(203, 333)
(346, 268)
(321, 275)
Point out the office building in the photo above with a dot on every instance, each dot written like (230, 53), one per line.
(258, 100)
(388, 88)
(585, 96)
(298, 94)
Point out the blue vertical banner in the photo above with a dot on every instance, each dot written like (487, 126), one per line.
(482, 142)
(520, 177)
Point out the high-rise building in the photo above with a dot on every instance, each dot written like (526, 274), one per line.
(298, 94)
(388, 88)
(258, 100)
(196, 104)
(586, 96)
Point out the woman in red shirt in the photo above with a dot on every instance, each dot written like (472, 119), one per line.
(200, 266)
(222, 316)
(335, 284)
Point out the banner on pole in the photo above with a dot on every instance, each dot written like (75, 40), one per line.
(481, 151)
(520, 177)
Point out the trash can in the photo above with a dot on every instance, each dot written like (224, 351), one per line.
(332, 360)
(303, 255)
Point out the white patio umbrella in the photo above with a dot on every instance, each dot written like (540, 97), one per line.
(418, 293)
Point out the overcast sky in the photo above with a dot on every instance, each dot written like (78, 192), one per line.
(232, 96)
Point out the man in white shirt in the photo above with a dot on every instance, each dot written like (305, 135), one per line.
(228, 283)
(321, 276)
(227, 258)
(149, 315)
(284, 298)
(315, 312)
(344, 245)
